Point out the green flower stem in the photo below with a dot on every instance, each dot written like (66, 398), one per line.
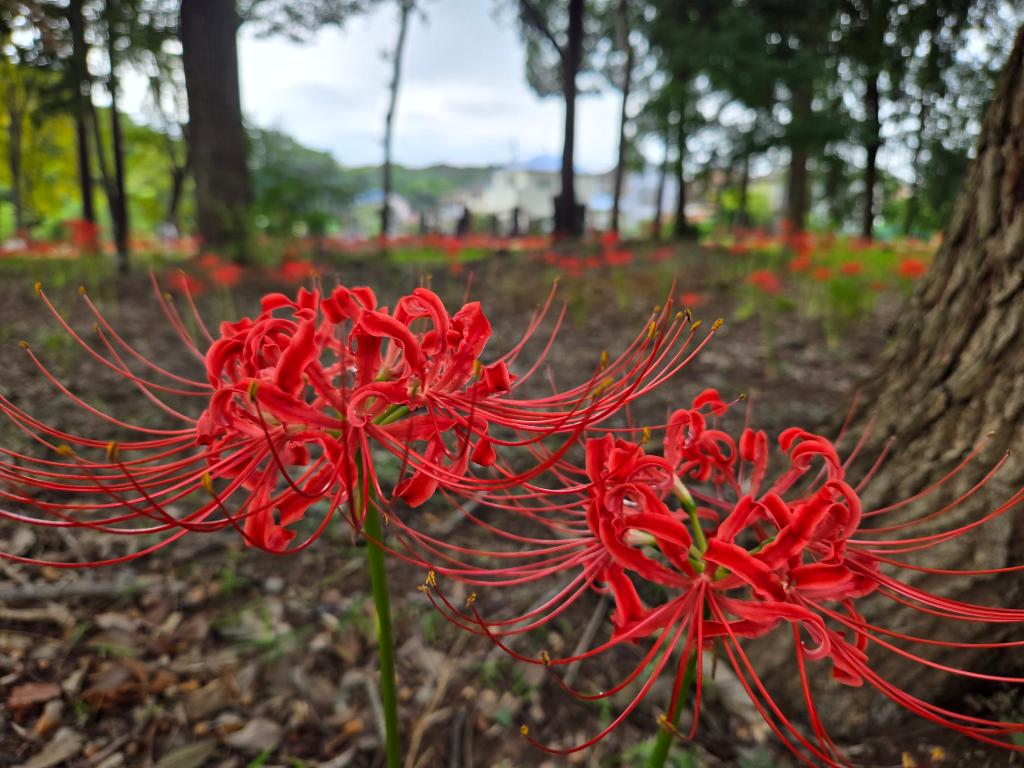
(385, 637)
(667, 735)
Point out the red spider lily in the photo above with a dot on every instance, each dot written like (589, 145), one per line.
(292, 401)
(765, 281)
(800, 263)
(692, 299)
(756, 555)
(185, 283)
(293, 271)
(85, 234)
(911, 268)
(851, 268)
(822, 274)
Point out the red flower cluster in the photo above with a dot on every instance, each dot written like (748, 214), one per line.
(734, 555)
(292, 406)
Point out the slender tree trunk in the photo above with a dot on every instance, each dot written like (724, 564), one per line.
(567, 221)
(389, 120)
(218, 146)
(82, 109)
(178, 176)
(662, 181)
(874, 142)
(950, 380)
(797, 199)
(742, 215)
(119, 203)
(622, 20)
(680, 228)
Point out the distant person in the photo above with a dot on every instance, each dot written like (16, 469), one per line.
(465, 222)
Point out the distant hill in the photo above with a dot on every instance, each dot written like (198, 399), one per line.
(423, 187)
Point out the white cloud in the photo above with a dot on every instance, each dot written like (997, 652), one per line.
(463, 99)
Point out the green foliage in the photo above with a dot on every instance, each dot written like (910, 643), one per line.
(295, 185)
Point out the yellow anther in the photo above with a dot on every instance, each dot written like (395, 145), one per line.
(938, 754)
(38, 287)
(657, 308)
(95, 327)
(23, 344)
(423, 588)
(741, 396)
(81, 290)
(168, 296)
(431, 580)
(253, 386)
(717, 324)
(471, 599)
(65, 450)
(113, 450)
(477, 367)
(696, 324)
(604, 359)
(652, 329)
(645, 436)
(524, 729)
(908, 761)
(545, 657)
(207, 483)
(602, 387)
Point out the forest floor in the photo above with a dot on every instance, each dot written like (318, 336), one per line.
(209, 654)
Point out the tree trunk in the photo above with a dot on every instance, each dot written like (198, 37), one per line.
(874, 142)
(622, 20)
(119, 202)
(951, 378)
(82, 110)
(680, 228)
(797, 199)
(216, 136)
(567, 222)
(662, 180)
(389, 120)
(742, 215)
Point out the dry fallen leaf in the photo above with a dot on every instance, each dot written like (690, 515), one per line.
(192, 756)
(30, 694)
(257, 736)
(65, 745)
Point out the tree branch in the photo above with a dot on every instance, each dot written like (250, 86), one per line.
(533, 16)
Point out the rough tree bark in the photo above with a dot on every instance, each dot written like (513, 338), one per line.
(216, 136)
(389, 121)
(952, 377)
(622, 32)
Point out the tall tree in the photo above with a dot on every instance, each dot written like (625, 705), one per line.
(81, 96)
(623, 27)
(564, 42)
(216, 137)
(405, 7)
(945, 388)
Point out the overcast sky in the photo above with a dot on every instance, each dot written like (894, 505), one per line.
(464, 97)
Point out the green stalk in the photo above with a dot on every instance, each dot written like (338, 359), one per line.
(667, 735)
(385, 637)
